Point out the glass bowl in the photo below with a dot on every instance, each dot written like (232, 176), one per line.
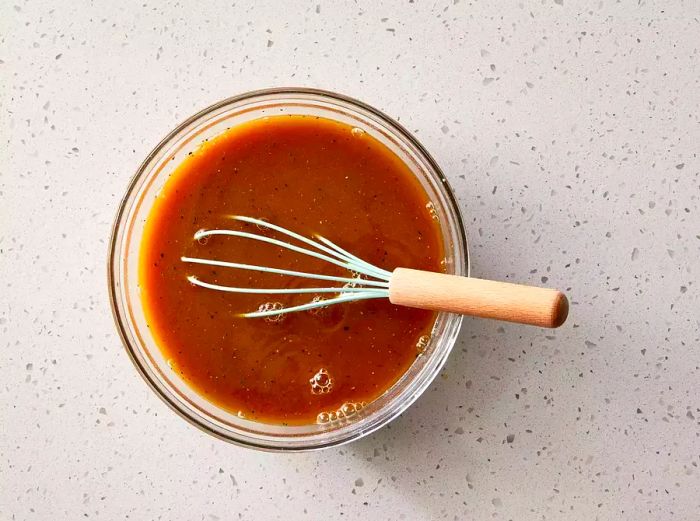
(124, 284)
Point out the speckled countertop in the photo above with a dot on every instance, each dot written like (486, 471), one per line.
(570, 132)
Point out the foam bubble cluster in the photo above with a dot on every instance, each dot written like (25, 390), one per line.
(347, 410)
(270, 306)
(423, 343)
(321, 382)
(317, 311)
(432, 211)
(262, 226)
(355, 275)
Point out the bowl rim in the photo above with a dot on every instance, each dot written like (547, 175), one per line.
(113, 280)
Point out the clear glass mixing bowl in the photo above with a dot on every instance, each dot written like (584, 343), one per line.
(128, 230)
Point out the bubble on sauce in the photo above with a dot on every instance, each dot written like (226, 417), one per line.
(432, 211)
(422, 344)
(359, 277)
(345, 411)
(321, 382)
(272, 306)
(201, 239)
(319, 310)
(240, 414)
(357, 132)
(262, 226)
(350, 408)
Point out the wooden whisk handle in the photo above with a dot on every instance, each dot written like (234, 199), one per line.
(477, 297)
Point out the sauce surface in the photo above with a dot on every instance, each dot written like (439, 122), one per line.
(313, 176)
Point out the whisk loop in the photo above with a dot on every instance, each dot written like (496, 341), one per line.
(355, 288)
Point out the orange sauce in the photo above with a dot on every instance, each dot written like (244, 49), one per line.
(313, 176)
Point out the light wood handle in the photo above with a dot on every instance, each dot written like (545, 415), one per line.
(477, 297)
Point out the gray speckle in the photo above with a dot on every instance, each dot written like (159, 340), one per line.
(510, 438)
(359, 482)
(680, 166)
(635, 254)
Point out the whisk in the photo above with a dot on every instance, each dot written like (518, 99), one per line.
(405, 287)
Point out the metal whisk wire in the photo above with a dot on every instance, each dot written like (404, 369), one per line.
(355, 288)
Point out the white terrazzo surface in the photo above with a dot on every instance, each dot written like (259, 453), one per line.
(570, 131)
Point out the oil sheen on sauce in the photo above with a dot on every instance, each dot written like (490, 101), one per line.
(313, 176)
